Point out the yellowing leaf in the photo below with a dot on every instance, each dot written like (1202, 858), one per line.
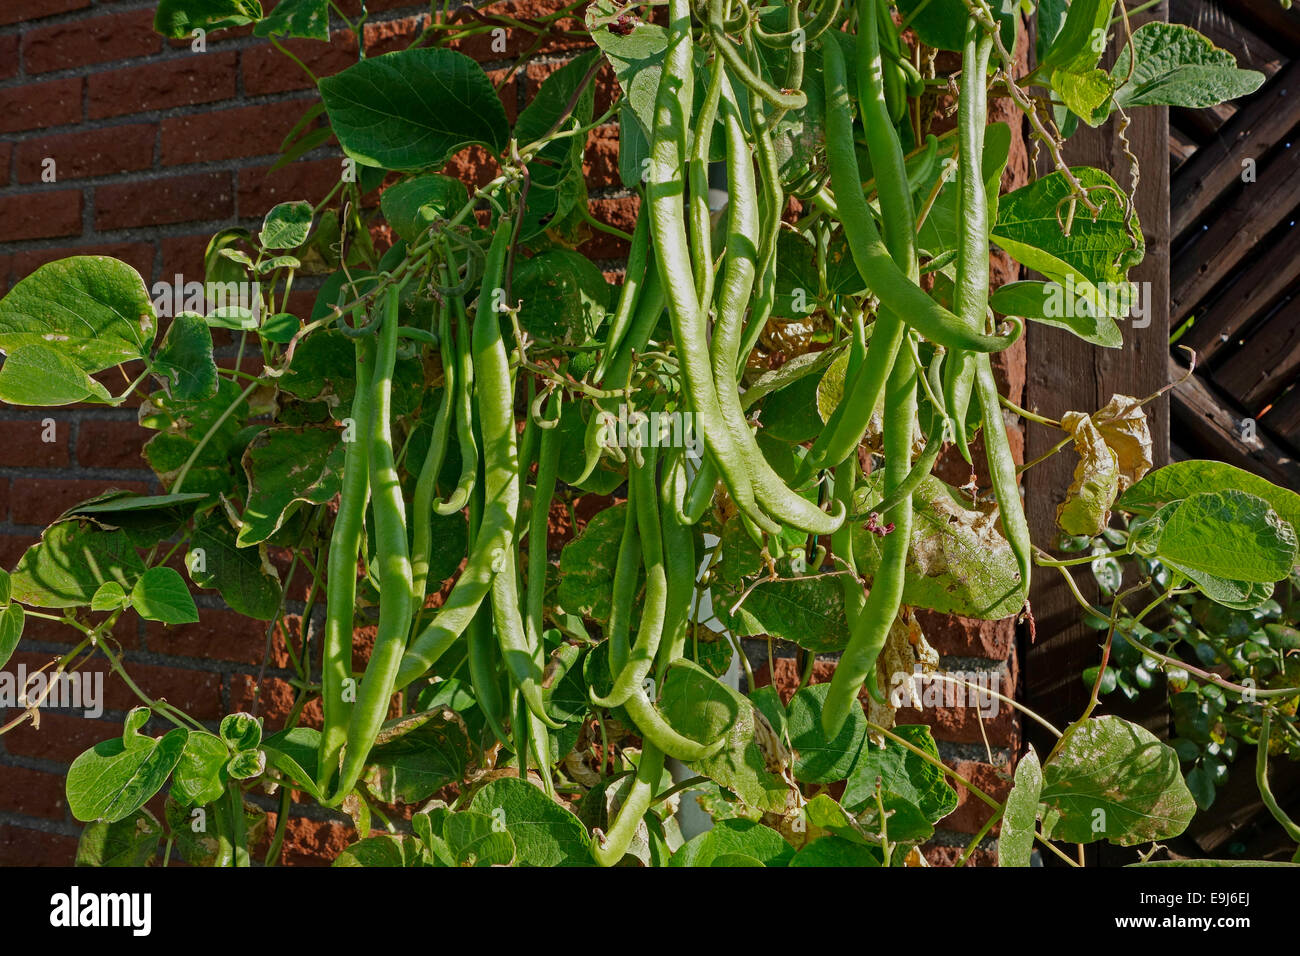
(1123, 425)
(1086, 508)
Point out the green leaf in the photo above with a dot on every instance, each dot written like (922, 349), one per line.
(545, 833)
(286, 226)
(1229, 534)
(382, 851)
(40, 375)
(305, 19)
(1186, 478)
(182, 425)
(180, 18)
(197, 779)
(241, 731)
(942, 23)
(1086, 94)
(1176, 66)
(286, 465)
(246, 765)
(808, 611)
(958, 561)
(907, 781)
(293, 753)
(475, 839)
(12, 619)
(1082, 39)
(833, 851)
(70, 563)
(184, 365)
(1111, 779)
(109, 597)
(96, 310)
(1020, 821)
(110, 782)
(161, 595)
(416, 755)
(587, 565)
(413, 205)
(727, 837)
(132, 841)
(1093, 261)
(563, 297)
(1045, 302)
(244, 577)
(280, 328)
(414, 109)
(637, 58)
(816, 759)
(702, 708)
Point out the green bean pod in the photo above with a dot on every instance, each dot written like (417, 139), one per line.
(770, 491)
(548, 463)
(871, 629)
(636, 667)
(1002, 469)
(464, 414)
(889, 282)
(494, 389)
(393, 562)
(633, 280)
(346, 540)
(426, 483)
(679, 564)
(656, 730)
(665, 192)
(609, 849)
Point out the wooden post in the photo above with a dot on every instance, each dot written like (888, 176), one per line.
(1065, 374)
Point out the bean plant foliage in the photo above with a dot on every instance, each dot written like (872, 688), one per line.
(525, 479)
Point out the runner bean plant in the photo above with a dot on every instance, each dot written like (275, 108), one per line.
(559, 504)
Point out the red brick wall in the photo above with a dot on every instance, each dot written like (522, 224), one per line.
(156, 148)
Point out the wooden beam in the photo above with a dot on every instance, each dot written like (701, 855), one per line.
(1064, 374)
(1273, 271)
(1269, 19)
(1261, 124)
(1283, 420)
(1261, 369)
(1254, 211)
(1224, 31)
(1208, 427)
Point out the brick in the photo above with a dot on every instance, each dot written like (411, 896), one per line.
(4, 505)
(967, 637)
(20, 846)
(218, 635)
(6, 155)
(100, 152)
(17, 11)
(193, 198)
(44, 215)
(110, 444)
(183, 255)
(40, 105)
(32, 793)
(114, 379)
(80, 43)
(229, 134)
(260, 189)
(267, 70)
(201, 78)
(619, 213)
(314, 842)
(387, 36)
(12, 546)
(274, 702)
(197, 693)
(480, 47)
(972, 812)
(9, 55)
(62, 737)
(38, 501)
(138, 255)
(24, 444)
(600, 159)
